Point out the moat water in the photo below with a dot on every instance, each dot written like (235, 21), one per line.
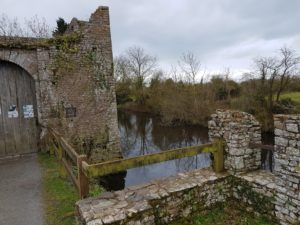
(142, 134)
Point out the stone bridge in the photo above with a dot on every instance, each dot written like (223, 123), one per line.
(74, 88)
(276, 195)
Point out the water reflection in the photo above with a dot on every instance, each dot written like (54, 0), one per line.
(267, 157)
(143, 134)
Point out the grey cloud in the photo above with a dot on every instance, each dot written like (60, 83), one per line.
(209, 28)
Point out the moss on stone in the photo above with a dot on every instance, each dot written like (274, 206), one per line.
(23, 43)
(230, 213)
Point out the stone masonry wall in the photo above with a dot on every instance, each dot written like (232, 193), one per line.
(158, 202)
(257, 189)
(74, 82)
(287, 163)
(238, 129)
(86, 83)
(164, 201)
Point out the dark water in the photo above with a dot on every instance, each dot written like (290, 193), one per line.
(267, 162)
(143, 134)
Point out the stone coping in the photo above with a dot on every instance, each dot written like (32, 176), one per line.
(259, 177)
(24, 43)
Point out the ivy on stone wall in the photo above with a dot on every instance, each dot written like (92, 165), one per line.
(65, 48)
(97, 142)
(99, 67)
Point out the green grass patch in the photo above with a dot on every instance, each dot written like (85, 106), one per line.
(226, 214)
(294, 96)
(59, 194)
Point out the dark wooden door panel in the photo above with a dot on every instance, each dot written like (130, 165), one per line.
(19, 132)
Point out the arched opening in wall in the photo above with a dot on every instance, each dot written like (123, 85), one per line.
(18, 111)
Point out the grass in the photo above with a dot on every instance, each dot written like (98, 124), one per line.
(227, 214)
(295, 96)
(59, 194)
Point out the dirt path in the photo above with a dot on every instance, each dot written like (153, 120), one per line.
(21, 191)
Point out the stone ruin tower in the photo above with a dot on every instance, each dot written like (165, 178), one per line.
(72, 88)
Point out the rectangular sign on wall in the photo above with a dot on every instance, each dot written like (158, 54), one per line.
(13, 112)
(28, 111)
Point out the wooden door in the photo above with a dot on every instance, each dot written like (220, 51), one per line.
(18, 111)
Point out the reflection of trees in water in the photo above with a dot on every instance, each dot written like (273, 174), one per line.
(126, 123)
(135, 132)
(177, 137)
(142, 134)
(196, 162)
(186, 164)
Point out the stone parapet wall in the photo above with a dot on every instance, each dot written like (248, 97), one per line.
(158, 202)
(287, 163)
(257, 190)
(238, 129)
(163, 201)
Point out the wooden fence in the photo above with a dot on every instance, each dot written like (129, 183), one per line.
(70, 159)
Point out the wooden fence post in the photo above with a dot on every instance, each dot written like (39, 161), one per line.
(62, 170)
(218, 153)
(83, 180)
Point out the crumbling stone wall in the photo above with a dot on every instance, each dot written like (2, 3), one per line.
(287, 163)
(74, 81)
(85, 81)
(238, 129)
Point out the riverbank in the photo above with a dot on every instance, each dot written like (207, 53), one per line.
(183, 107)
(131, 107)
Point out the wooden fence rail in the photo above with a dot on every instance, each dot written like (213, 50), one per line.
(85, 171)
(115, 166)
(68, 157)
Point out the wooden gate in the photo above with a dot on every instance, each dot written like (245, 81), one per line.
(18, 111)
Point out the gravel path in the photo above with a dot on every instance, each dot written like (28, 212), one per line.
(21, 191)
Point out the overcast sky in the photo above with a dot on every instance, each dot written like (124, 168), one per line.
(222, 33)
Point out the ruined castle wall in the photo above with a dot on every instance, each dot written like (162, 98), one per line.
(74, 81)
(238, 129)
(287, 163)
(82, 79)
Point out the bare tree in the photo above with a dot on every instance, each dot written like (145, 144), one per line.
(174, 74)
(121, 68)
(38, 27)
(141, 64)
(288, 67)
(10, 27)
(275, 73)
(34, 27)
(190, 66)
(267, 71)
